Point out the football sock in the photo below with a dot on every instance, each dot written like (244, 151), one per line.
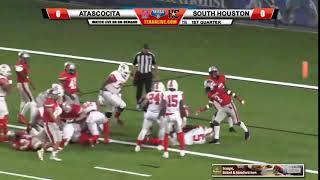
(216, 130)
(243, 126)
(166, 142)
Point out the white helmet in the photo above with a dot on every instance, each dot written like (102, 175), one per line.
(57, 90)
(172, 84)
(124, 70)
(66, 107)
(5, 70)
(23, 55)
(159, 86)
(209, 84)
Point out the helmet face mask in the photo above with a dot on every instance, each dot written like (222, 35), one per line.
(5, 70)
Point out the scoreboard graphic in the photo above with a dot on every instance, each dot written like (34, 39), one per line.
(160, 16)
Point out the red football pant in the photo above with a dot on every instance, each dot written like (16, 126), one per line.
(106, 131)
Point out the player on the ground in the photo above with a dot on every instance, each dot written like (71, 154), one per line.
(110, 92)
(22, 141)
(172, 112)
(193, 135)
(71, 115)
(224, 98)
(5, 88)
(51, 120)
(22, 69)
(68, 80)
(95, 120)
(220, 79)
(151, 103)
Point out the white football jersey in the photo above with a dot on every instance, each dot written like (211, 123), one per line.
(115, 87)
(194, 136)
(154, 98)
(173, 99)
(89, 106)
(2, 91)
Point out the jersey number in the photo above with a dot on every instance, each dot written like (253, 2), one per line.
(198, 137)
(154, 98)
(73, 83)
(172, 100)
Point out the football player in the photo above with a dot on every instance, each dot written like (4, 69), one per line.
(51, 122)
(71, 115)
(110, 92)
(151, 103)
(5, 89)
(224, 98)
(220, 80)
(193, 135)
(68, 80)
(172, 112)
(95, 120)
(23, 81)
(22, 141)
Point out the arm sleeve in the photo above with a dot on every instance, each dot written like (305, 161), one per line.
(154, 60)
(135, 61)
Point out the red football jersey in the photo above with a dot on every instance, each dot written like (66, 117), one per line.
(49, 103)
(22, 71)
(220, 81)
(69, 82)
(219, 95)
(74, 113)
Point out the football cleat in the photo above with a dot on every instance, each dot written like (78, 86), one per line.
(182, 153)
(137, 148)
(215, 141)
(247, 136)
(166, 154)
(231, 129)
(55, 158)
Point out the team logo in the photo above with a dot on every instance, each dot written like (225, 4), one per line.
(173, 13)
(145, 14)
(184, 22)
(158, 13)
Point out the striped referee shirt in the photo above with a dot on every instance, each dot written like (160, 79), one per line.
(144, 62)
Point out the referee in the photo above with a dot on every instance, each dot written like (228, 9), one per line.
(144, 72)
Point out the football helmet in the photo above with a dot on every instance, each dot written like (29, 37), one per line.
(70, 67)
(172, 84)
(209, 85)
(24, 55)
(66, 107)
(159, 86)
(5, 70)
(213, 71)
(56, 91)
(124, 71)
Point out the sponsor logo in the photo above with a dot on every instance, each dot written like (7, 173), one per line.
(158, 13)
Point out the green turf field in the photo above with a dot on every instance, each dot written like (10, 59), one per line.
(283, 120)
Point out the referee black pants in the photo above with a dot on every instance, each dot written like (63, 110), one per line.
(143, 79)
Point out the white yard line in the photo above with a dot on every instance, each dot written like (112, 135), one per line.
(162, 68)
(187, 152)
(122, 171)
(22, 175)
